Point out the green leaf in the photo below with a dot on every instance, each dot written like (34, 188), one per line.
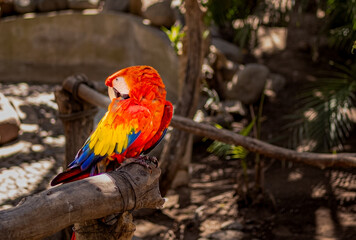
(228, 151)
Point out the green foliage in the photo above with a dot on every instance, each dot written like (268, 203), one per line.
(228, 151)
(323, 117)
(243, 35)
(224, 13)
(175, 35)
(341, 16)
(353, 47)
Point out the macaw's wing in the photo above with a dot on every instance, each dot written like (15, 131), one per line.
(157, 138)
(117, 130)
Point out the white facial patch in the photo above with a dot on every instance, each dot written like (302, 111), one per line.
(120, 85)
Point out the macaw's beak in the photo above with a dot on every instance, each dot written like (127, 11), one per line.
(113, 93)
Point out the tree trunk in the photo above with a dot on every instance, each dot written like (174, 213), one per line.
(175, 148)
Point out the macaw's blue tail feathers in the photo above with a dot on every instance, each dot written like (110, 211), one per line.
(86, 158)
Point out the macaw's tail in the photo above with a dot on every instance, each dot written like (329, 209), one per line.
(70, 175)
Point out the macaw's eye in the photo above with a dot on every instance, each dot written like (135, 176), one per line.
(125, 96)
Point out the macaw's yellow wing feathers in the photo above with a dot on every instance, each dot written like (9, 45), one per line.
(119, 128)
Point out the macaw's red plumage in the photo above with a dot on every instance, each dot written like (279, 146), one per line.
(135, 122)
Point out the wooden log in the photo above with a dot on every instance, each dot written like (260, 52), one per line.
(131, 187)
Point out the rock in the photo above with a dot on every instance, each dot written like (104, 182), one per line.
(51, 5)
(229, 69)
(231, 51)
(114, 5)
(83, 4)
(234, 106)
(247, 85)
(47, 49)
(25, 6)
(9, 121)
(275, 83)
(159, 12)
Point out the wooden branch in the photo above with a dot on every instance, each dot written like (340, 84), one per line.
(266, 149)
(86, 93)
(251, 144)
(131, 187)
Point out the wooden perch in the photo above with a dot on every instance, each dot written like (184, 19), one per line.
(131, 187)
(266, 149)
(315, 159)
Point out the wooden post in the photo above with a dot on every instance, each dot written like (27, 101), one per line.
(77, 117)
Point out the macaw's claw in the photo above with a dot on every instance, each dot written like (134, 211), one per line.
(111, 219)
(149, 159)
(142, 160)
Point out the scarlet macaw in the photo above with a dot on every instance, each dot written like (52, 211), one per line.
(136, 121)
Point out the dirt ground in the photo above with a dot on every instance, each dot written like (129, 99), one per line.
(299, 202)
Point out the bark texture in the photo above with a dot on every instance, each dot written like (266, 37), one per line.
(175, 148)
(131, 187)
(77, 117)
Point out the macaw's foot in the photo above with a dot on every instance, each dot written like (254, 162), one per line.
(142, 160)
(148, 159)
(111, 219)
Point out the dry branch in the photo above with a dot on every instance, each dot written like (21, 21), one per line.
(40, 215)
(251, 144)
(266, 149)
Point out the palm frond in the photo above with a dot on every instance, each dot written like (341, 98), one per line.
(227, 151)
(323, 114)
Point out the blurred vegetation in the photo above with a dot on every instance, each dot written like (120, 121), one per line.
(175, 35)
(341, 24)
(230, 152)
(322, 119)
(231, 16)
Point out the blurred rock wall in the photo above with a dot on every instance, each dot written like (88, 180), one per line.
(47, 48)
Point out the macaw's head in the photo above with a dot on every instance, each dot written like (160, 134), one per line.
(137, 82)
